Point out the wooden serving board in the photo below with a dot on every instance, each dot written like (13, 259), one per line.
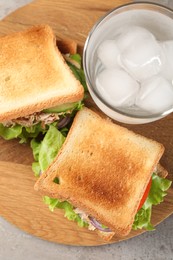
(19, 203)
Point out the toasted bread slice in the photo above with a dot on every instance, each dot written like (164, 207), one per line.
(103, 169)
(34, 75)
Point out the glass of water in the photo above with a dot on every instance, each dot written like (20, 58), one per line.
(128, 63)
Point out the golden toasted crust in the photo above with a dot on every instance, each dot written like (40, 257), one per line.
(107, 236)
(34, 75)
(67, 46)
(161, 171)
(103, 169)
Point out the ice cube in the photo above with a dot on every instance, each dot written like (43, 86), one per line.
(167, 70)
(141, 55)
(130, 35)
(155, 95)
(108, 53)
(117, 87)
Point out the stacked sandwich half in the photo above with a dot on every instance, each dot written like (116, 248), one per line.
(108, 175)
(37, 86)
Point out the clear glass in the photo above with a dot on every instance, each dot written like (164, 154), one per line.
(157, 19)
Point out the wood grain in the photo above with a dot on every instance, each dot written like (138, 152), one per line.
(69, 19)
(19, 203)
(23, 207)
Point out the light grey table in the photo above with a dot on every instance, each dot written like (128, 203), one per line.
(17, 245)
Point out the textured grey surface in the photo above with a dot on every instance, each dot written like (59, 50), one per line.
(8, 6)
(18, 245)
(156, 245)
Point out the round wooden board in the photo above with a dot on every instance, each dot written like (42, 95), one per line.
(19, 203)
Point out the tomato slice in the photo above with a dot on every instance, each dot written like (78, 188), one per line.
(145, 194)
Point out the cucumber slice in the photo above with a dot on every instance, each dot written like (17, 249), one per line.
(61, 108)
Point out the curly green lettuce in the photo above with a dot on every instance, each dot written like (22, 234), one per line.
(22, 132)
(78, 72)
(68, 208)
(156, 195)
(45, 151)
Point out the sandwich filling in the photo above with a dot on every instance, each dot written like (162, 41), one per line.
(46, 117)
(142, 218)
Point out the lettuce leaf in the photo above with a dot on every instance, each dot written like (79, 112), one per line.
(22, 132)
(31, 132)
(9, 133)
(78, 72)
(49, 147)
(157, 192)
(36, 169)
(77, 58)
(44, 151)
(142, 219)
(35, 145)
(69, 210)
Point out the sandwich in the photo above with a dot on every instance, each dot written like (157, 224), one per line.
(105, 177)
(40, 86)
